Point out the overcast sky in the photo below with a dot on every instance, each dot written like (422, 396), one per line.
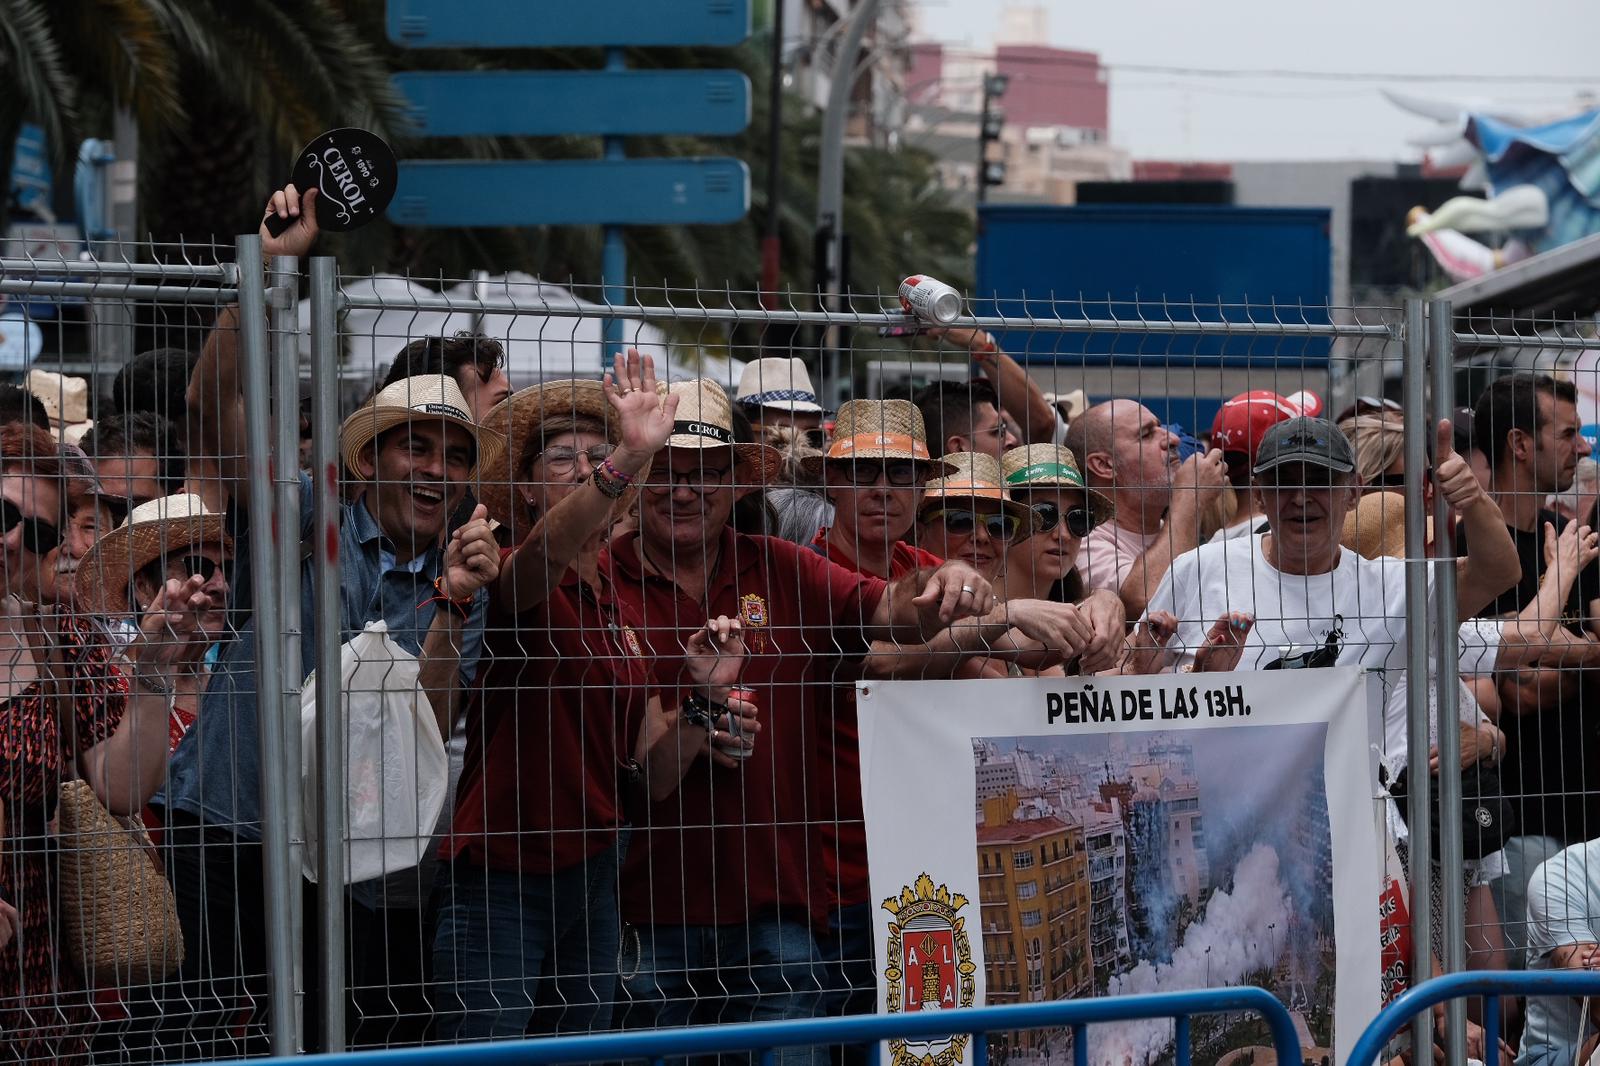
(1159, 115)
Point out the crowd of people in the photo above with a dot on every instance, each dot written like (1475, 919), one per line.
(638, 611)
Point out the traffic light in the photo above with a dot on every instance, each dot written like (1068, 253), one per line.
(990, 123)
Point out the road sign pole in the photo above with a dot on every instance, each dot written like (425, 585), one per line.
(613, 255)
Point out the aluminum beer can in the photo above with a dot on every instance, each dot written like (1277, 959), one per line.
(734, 745)
(930, 300)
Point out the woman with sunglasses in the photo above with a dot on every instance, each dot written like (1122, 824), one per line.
(1046, 480)
(69, 711)
(174, 538)
(968, 515)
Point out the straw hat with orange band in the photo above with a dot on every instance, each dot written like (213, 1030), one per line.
(977, 476)
(879, 431)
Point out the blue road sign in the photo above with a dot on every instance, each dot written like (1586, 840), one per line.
(530, 24)
(601, 102)
(578, 192)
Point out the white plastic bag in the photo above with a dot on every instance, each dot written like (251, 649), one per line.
(396, 768)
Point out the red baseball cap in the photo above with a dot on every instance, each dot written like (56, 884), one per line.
(1244, 420)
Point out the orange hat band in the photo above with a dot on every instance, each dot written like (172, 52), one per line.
(868, 443)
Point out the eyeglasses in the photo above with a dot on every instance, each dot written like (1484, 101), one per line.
(1080, 520)
(963, 523)
(999, 429)
(199, 565)
(868, 471)
(702, 479)
(563, 460)
(1327, 655)
(38, 536)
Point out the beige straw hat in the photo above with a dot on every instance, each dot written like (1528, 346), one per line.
(781, 383)
(876, 429)
(154, 529)
(1376, 526)
(1044, 465)
(426, 397)
(705, 420)
(517, 419)
(975, 476)
(66, 401)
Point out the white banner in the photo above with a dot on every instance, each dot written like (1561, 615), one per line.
(1044, 839)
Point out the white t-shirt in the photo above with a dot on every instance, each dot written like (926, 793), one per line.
(1107, 555)
(1563, 909)
(1364, 600)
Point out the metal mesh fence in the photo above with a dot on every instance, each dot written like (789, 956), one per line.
(598, 767)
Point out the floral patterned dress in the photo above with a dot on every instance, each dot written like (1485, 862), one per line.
(45, 1015)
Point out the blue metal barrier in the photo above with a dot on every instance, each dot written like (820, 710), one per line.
(1490, 984)
(657, 1045)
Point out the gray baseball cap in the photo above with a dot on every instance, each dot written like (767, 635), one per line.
(1313, 441)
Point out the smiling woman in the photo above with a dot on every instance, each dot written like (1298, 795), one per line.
(969, 516)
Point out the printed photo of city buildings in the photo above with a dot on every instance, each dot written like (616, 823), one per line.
(1154, 861)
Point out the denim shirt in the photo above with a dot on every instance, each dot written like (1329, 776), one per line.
(216, 774)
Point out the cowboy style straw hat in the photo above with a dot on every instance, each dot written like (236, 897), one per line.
(154, 529)
(705, 420)
(976, 476)
(518, 418)
(876, 429)
(426, 397)
(1043, 465)
(781, 383)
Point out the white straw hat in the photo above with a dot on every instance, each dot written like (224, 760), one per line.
(425, 397)
(705, 420)
(152, 530)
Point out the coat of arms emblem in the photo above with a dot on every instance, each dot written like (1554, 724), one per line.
(929, 967)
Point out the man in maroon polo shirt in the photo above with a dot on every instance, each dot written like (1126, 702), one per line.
(718, 875)
(563, 724)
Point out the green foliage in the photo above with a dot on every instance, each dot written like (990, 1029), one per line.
(225, 91)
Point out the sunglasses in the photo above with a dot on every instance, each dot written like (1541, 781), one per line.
(1002, 527)
(868, 471)
(1080, 520)
(38, 536)
(199, 566)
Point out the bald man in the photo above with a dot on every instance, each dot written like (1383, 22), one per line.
(1126, 453)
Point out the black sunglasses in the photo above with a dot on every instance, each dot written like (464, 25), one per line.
(1001, 527)
(199, 565)
(1080, 520)
(868, 471)
(38, 536)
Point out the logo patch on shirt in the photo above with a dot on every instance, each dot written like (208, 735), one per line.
(630, 640)
(753, 613)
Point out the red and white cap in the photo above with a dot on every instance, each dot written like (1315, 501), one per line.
(1244, 420)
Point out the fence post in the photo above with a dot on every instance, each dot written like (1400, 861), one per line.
(281, 882)
(1452, 918)
(1420, 870)
(330, 723)
(283, 324)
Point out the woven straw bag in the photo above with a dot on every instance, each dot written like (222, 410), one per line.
(119, 921)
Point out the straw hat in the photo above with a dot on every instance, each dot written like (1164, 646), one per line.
(976, 476)
(426, 397)
(517, 419)
(705, 420)
(1376, 526)
(66, 401)
(153, 529)
(781, 383)
(876, 429)
(1044, 465)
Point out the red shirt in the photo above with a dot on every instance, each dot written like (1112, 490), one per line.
(730, 843)
(841, 823)
(550, 731)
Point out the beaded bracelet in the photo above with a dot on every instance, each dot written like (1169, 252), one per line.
(609, 488)
(701, 711)
(611, 468)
